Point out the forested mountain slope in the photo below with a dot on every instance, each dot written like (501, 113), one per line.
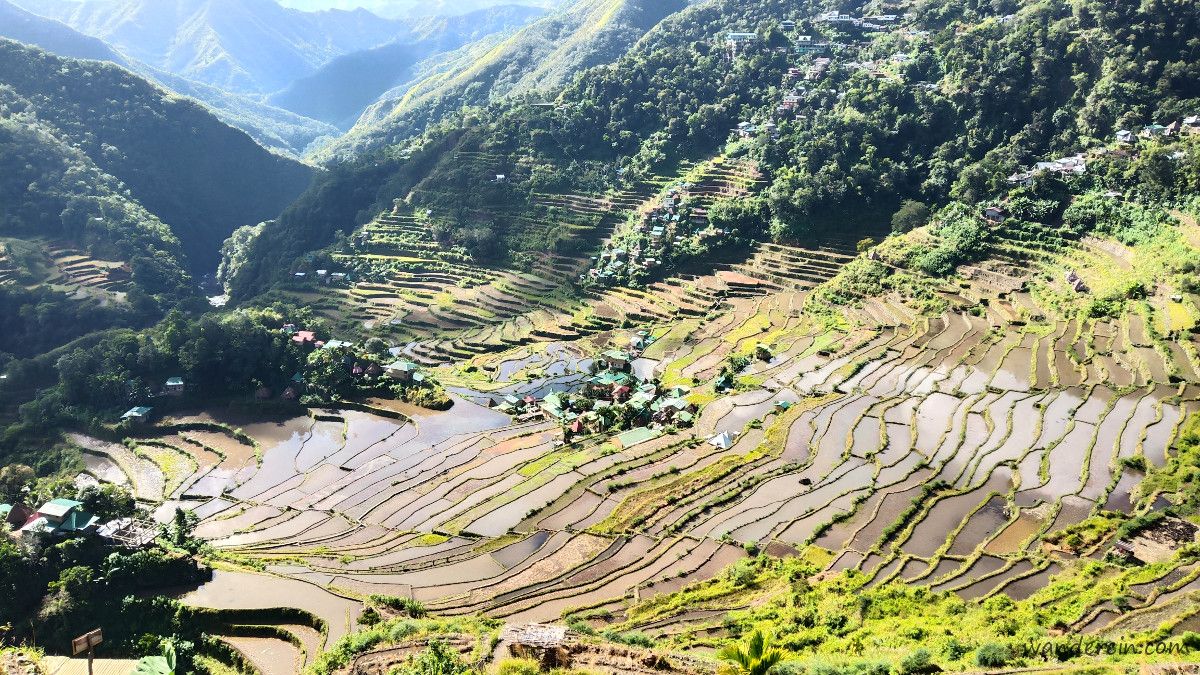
(943, 105)
(68, 227)
(253, 46)
(201, 177)
(540, 57)
(395, 9)
(340, 90)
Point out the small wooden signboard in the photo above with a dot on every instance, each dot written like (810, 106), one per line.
(87, 643)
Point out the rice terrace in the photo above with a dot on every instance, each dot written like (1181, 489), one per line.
(713, 337)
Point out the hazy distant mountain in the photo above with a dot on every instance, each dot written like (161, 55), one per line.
(402, 8)
(250, 46)
(540, 56)
(273, 127)
(53, 36)
(344, 87)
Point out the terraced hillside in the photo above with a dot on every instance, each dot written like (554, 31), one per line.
(30, 262)
(966, 435)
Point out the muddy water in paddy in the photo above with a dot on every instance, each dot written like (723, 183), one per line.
(1022, 588)
(1012, 537)
(325, 438)
(514, 553)
(946, 514)
(1120, 499)
(984, 566)
(245, 590)
(269, 655)
(985, 586)
(1015, 368)
(982, 525)
(463, 417)
(1158, 436)
(104, 469)
(892, 505)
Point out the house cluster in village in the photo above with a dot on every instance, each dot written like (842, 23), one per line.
(815, 58)
(62, 518)
(1187, 126)
(613, 398)
(1077, 164)
(360, 365)
(322, 277)
(670, 224)
(57, 518)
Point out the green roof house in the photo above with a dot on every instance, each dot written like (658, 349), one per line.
(636, 436)
(137, 414)
(616, 359)
(405, 371)
(60, 518)
(173, 387)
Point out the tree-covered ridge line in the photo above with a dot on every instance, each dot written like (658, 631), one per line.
(964, 109)
(540, 57)
(199, 176)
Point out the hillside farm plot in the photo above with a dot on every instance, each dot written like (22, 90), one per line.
(960, 449)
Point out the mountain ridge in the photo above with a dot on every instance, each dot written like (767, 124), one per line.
(184, 165)
(255, 46)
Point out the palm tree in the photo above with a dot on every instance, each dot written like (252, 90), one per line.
(756, 658)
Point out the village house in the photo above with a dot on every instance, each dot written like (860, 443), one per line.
(737, 42)
(16, 515)
(616, 359)
(635, 436)
(1073, 165)
(131, 533)
(304, 337)
(404, 371)
(787, 25)
(1191, 125)
(550, 646)
(137, 415)
(818, 68)
(1153, 131)
(59, 518)
(833, 16)
(807, 44)
(1076, 283)
(174, 387)
(722, 440)
(995, 214)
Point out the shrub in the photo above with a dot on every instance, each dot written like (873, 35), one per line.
(412, 608)
(632, 638)
(912, 214)
(369, 617)
(992, 655)
(919, 661)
